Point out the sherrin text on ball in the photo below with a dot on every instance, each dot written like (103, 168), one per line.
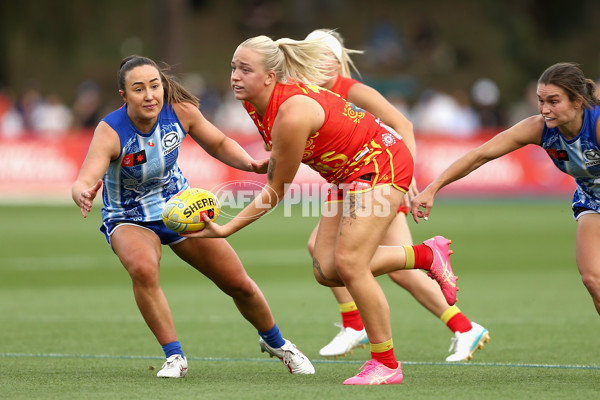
(184, 212)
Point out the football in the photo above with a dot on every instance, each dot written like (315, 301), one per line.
(183, 212)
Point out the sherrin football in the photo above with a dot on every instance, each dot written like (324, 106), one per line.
(183, 212)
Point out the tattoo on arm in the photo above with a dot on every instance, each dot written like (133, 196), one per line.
(271, 168)
(317, 267)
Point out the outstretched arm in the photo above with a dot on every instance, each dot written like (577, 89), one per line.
(528, 131)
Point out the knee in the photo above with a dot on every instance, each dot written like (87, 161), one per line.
(143, 270)
(592, 282)
(345, 265)
(240, 290)
(324, 281)
(324, 276)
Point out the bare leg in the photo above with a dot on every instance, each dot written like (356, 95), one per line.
(216, 259)
(588, 254)
(140, 251)
(355, 238)
(425, 290)
(341, 294)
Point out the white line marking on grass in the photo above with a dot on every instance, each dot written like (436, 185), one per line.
(64, 262)
(224, 359)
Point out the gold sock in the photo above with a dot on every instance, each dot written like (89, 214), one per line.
(347, 307)
(381, 347)
(449, 313)
(410, 257)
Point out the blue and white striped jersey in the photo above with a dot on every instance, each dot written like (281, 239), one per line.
(138, 183)
(580, 158)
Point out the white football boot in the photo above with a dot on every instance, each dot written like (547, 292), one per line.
(176, 366)
(345, 342)
(465, 344)
(292, 358)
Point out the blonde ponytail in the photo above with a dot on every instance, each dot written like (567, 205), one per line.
(291, 60)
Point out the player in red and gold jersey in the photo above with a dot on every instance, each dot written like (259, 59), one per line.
(468, 336)
(349, 147)
(350, 144)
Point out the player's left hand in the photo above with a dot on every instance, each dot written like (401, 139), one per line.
(423, 200)
(86, 198)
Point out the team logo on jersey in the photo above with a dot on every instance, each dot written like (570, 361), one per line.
(353, 112)
(560, 155)
(170, 142)
(133, 159)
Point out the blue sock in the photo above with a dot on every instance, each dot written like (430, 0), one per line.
(273, 337)
(172, 348)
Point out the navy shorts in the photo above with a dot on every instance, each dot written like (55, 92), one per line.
(167, 236)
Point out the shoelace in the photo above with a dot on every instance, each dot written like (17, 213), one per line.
(342, 331)
(367, 367)
(169, 363)
(454, 342)
(288, 354)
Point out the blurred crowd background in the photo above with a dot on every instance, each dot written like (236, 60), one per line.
(456, 67)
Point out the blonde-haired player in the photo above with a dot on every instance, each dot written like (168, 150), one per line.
(367, 160)
(468, 336)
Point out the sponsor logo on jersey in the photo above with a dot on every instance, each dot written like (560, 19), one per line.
(592, 157)
(133, 159)
(170, 142)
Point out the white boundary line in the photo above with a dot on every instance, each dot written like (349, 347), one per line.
(224, 359)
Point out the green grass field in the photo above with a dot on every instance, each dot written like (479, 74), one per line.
(69, 327)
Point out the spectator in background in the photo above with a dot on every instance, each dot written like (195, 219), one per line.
(29, 100)
(440, 113)
(467, 121)
(87, 109)
(11, 121)
(486, 99)
(210, 99)
(51, 118)
(525, 107)
(232, 118)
